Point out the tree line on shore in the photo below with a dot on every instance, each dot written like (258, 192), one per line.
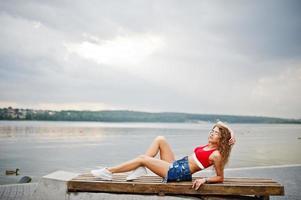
(131, 116)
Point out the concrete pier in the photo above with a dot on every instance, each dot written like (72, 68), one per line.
(17, 191)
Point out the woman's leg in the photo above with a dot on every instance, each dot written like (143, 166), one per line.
(159, 167)
(161, 144)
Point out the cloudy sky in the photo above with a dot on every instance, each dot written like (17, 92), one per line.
(218, 57)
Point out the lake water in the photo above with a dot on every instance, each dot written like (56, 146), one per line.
(39, 148)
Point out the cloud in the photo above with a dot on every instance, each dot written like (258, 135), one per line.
(122, 50)
(202, 56)
(73, 106)
(270, 92)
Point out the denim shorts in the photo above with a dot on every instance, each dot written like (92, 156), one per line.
(178, 171)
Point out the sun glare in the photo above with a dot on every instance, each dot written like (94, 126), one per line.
(122, 50)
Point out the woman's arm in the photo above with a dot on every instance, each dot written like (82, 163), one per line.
(232, 139)
(217, 162)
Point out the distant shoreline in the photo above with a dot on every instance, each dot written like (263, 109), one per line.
(119, 116)
(150, 122)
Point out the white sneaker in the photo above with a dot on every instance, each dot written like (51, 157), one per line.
(103, 173)
(140, 171)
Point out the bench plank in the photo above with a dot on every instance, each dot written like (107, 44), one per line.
(154, 185)
(158, 179)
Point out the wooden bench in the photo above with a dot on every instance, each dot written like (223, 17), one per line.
(256, 187)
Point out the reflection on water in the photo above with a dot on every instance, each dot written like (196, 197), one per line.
(50, 133)
(38, 148)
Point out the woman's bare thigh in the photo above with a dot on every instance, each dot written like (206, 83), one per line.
(159, 167)
(166, 152)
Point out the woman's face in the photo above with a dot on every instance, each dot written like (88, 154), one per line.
(214, 135)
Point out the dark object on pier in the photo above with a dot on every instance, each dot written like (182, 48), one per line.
(12, 172)
(25, 179)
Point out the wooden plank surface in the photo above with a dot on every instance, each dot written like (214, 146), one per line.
(154, 185)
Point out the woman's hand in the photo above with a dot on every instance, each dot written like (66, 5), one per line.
(198, 182)
(232, 139)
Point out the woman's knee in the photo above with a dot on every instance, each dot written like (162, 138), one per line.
(143, 159)
(160, 138)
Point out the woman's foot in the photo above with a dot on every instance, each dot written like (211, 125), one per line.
(140, 171)
(103, 173)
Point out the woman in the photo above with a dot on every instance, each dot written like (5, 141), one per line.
(216, 153)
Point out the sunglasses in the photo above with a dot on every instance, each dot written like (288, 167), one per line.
(214, 131)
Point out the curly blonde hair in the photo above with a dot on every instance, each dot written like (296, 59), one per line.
(224, 147)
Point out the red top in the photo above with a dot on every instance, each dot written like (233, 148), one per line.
(203, 156)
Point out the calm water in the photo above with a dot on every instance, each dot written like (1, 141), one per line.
(39, 148)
